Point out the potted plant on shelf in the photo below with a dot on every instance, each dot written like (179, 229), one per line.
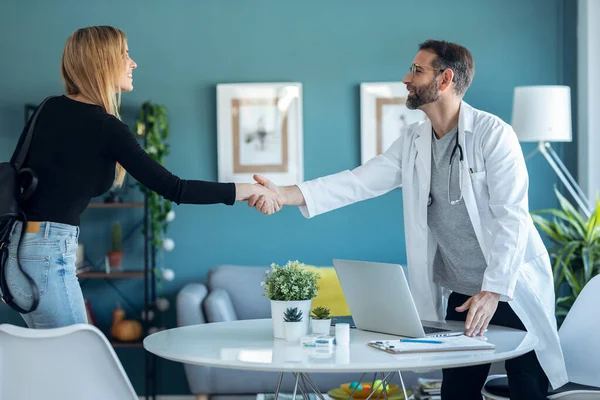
(575, 251)
(116, 254)
(292, 324)
(292, 285)
(320, 320)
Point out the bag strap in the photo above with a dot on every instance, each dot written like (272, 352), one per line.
(23, 146)
(6, 296)
(17, 161)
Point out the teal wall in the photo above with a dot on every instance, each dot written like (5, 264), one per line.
(184, 48)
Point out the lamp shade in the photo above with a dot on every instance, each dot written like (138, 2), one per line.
(542, 113)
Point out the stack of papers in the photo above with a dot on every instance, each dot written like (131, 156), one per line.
(428, 389)
(424, 345)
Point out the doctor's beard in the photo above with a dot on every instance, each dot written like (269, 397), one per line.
(422, 95)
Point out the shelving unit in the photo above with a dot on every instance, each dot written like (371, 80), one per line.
(149, 291)
(112, 275)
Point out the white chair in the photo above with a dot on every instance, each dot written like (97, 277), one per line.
(581, 348)
(74, 362)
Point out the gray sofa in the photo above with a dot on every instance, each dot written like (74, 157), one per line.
(234, 293)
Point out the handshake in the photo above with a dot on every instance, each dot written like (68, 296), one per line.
(263, 195)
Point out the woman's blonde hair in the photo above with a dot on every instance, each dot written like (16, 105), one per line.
(92, 63)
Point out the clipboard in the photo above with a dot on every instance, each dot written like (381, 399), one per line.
(451, 343)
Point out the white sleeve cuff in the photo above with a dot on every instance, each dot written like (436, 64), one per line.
(308, 211)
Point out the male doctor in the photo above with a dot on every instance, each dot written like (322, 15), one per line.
(468, 228)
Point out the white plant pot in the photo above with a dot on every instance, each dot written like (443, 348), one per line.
(278, 309)
(293, 331)
(321, 326)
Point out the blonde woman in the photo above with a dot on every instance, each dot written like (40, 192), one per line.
(80, 149)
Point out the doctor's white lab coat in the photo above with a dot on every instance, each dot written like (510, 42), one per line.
(494, 189)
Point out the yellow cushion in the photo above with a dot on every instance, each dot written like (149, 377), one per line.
(330, 292)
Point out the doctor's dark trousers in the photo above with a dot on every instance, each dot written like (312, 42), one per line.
(526, 378)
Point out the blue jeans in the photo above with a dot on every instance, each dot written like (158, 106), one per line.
(48, 256)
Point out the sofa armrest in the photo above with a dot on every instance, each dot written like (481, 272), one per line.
(189, 304)
(218, 306)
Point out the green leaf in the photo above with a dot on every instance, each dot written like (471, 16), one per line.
(547, 227)
(587, 264)
(565, 299)
(562, 261)
(569, 209)
(573, 282)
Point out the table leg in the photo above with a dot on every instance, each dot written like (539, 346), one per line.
(305, 388)
(278, 386)
(360, 380)
(295, 387)
(314, 387)
(402, 383)
(383, 382)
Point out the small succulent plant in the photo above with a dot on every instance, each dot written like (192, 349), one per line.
(320, 313)
(292, 315)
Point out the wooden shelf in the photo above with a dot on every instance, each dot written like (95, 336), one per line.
(112, 275)
(115, 205)
(116, 343)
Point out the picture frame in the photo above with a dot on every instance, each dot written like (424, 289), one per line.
(260, 131)
(383, 116)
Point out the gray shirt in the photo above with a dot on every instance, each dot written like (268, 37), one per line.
(459, 263)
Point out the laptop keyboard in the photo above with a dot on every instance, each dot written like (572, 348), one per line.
(430, 329)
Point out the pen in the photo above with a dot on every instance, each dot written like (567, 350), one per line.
(421, 341)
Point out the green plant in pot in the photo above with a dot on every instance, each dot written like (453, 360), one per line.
(321, 320)
(292, 324)
(291, 285)
(575, 251)
(116, 254)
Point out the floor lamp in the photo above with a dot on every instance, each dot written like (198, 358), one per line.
(542, 114)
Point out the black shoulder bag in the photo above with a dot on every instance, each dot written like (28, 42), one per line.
(16, 184)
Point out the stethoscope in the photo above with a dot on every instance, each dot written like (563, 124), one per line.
(457, 149)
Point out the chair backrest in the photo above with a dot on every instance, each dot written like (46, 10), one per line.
(73, 362)
(579, 336)
(242, 283)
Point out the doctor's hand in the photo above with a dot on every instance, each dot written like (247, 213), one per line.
(270, 201)
(481, 308)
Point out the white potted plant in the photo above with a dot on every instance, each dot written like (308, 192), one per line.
(292, 285)
(292, 324)
(320, 320)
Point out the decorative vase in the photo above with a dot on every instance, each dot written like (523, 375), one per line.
(293, 331)
(321, 326)
(279, 307)
(114, 259)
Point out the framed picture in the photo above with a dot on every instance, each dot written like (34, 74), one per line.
(260, 132)
(383, 116)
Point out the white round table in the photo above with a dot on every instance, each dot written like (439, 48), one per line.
(249, 344)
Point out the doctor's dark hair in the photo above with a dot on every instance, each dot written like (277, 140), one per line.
(455, 57)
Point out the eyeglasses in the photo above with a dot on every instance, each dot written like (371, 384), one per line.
(414, 68)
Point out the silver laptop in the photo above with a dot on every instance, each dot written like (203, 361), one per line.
(380, 300)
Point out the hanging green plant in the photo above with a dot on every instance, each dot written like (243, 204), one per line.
(152, 122)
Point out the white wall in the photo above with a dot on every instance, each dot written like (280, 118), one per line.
(588, 71)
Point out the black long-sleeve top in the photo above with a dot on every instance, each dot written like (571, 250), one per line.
(74, 149)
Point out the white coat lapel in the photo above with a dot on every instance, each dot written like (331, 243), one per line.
(465, 139)
(423, 170)
(423, 145)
